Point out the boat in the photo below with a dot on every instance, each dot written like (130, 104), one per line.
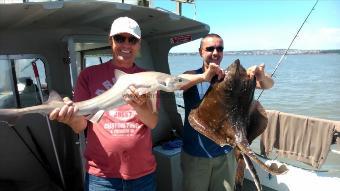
(45, 45)
(60, 38)
(308, 146)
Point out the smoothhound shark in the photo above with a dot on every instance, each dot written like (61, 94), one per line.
(225, 115)
(144, 82)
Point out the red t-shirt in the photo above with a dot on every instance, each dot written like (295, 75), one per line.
(120, 145)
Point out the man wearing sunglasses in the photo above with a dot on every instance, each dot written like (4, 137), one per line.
(206, 166)
(119, 148)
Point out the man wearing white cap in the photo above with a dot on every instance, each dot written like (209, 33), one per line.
(119, 148)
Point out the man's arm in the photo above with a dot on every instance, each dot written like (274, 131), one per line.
(208, 74)
(193, 79)
(263, 80)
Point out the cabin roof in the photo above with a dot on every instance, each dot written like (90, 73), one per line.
(90, 18)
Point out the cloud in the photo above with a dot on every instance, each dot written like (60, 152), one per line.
(322, 38)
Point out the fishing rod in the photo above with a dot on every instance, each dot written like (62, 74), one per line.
(279, 62)
(36, 75)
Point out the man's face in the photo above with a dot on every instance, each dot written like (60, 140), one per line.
(125, 47)
(211, 50)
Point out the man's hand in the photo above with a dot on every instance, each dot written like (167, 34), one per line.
(65, 113)
(263, 80)
(257, 71)
(143, 106)
(133, 98)
(212, 70)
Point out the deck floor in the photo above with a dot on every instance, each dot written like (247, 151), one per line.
(250, 186)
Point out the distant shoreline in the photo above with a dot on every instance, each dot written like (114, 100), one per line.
(267, 52)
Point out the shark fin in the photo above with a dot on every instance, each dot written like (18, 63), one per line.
(143, 90)
(119, 73)
(96, 117)
(54, 96)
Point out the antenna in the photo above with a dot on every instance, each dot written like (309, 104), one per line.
(179, 5)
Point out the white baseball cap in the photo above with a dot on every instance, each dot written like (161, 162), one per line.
(125, 25)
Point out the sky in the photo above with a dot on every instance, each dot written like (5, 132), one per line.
(264, 24)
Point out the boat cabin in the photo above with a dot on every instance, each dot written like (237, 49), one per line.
(44, 46)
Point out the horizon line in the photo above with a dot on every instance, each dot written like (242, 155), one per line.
(276, 49)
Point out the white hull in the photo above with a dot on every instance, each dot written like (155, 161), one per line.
(300, 179)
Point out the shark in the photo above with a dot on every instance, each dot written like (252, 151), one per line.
(229, 115)
(148, 82)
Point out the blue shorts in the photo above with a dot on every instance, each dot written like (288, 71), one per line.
(95, 183)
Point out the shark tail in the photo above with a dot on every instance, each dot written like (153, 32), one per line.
(272, 169)
(9, 116)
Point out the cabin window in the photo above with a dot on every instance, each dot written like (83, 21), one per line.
(91, 60)
(98, 53)
(18, 85)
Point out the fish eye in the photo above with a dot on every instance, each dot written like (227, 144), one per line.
(180, 80)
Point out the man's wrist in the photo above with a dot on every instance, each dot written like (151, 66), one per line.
(203, 78)
(78, 122)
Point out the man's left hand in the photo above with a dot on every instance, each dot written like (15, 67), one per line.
(133, 98)
(257, 71)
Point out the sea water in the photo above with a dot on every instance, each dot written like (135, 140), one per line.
(306, 84)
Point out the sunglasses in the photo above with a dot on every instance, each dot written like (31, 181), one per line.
(212, 48)
(121, 39)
